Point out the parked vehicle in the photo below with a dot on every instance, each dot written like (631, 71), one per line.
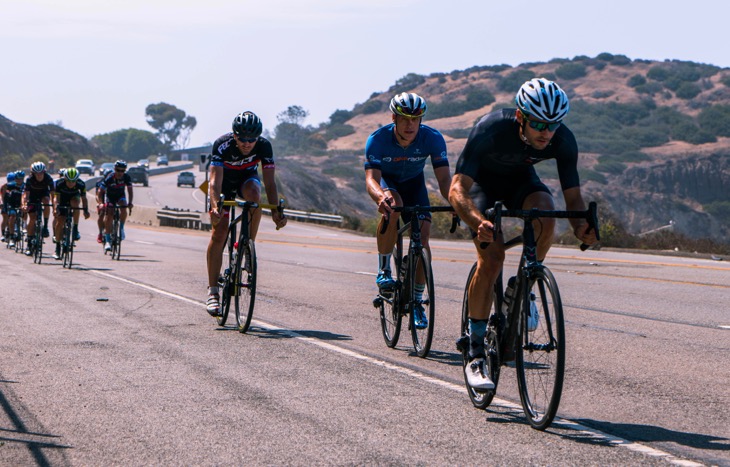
(162, 160)
(139, 174)
(186, 178)
(85, 166)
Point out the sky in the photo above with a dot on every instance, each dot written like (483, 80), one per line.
(93, 66)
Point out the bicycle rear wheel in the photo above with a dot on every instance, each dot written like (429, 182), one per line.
(422, 337)
(540, 359)
(481, 398)
(38, 246)
(246, 280)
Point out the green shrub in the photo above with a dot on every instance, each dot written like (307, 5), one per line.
(515, 79)
(636, 80)
(591, 175)
(688, 91)
(570, 71)
(725, 80)
(408, 82)
(715, 120)
(371, 107)
(340, 116)
(658, 73)
(611, 167)
(720, 210)
(338, 131)
(621, 60)
(605, 56)
(649, 88)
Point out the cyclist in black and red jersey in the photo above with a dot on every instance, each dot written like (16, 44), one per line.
(70, 192)
(497, 164)
(233, 172)
(38, 188)
(11, 202)
(112, 191)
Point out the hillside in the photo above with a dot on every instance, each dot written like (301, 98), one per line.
(654, 139)
(654, 136)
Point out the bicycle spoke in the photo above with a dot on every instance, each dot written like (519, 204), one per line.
(422, 326)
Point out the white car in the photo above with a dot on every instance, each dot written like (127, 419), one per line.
(85, 166)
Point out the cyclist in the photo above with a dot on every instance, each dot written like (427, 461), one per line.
(100, 206)
(497, 164)
(111, 191)
(395, 156)
(233, 172)
(38, 188)
(11, 201)
(70, 192)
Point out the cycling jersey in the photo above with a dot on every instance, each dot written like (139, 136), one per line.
(38, 189)
(494, 151)
(382, 152)
(238, 168)
(12, 198)
(114, 187)
(67, 193)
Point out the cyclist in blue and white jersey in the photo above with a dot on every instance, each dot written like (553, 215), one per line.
(234, 172)
(395, 156)
(112, 192)
(496, 164)
(11, 201)
(38, 189)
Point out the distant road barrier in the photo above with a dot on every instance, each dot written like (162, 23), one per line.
(196, 220)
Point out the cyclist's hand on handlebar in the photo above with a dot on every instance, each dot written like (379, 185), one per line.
(278, 219)
(384, 206)
(585, 233)
(485, 231)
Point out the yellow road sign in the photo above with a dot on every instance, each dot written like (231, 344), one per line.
(204, 187)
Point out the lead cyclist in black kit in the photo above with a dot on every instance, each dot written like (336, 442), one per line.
(233, 172)
(497, 164)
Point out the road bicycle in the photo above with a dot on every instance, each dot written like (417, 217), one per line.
(116, 233)
(67, 237)
(536, 344)
(35, 243)
(238, 281)
(14, 232)
(401, 300)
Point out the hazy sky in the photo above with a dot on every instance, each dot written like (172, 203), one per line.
(95, 65)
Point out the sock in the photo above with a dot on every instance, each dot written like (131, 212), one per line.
(108, 238)
(418, 291)
(213, 290)
(384, 262)
(45, 222)
(477, 331)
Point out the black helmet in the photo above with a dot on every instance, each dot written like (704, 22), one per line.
(247, 125)
(120, 164)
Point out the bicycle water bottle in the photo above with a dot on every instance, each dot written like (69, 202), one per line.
(508, 295)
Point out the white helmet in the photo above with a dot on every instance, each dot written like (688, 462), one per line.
(37, 167)
(408, 104)
(543, 99)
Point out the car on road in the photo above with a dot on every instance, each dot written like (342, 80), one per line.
(139, 174)
(106, 166)
(85, 166)
(162, 160)
(186, 178)
(144, 163)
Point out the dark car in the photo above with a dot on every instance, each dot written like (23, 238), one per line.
(162, 160)
(186, 178)
(139, 174)
(144, 163)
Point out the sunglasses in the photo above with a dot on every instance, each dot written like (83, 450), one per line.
(121, 171)
(246, 140)
(410, 114)
(542, 126)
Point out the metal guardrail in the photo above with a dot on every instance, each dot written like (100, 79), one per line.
(196, 220)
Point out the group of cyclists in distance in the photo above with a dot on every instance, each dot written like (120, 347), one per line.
(40, 194)
(496, 164)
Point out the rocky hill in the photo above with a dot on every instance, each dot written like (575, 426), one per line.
(654, 139)
(653, 146)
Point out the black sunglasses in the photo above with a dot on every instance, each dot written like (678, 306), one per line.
(247, 140)
(542, 126)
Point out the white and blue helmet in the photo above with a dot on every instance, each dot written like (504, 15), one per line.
(542, 99)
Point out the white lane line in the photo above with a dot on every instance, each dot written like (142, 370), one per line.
(724, 326)
(144, 243)
(558, 422)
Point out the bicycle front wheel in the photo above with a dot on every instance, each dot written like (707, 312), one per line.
(422, 326)
(480, 398)
(38, 251)
(540, 359)
(246, 280)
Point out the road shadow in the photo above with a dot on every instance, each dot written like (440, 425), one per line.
(649, 433)
(295, 333)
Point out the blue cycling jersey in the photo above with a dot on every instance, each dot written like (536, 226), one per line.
(382, 152)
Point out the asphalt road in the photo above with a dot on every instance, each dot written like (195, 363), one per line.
(117, 362)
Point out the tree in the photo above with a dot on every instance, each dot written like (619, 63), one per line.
(294, 114)
(173, 125)
(129, 144)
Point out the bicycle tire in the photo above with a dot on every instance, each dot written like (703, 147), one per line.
(389, 304)
(540, 359)
(67, 245)
(19, 239)
(38, 245)
(224, 285)
(116, 239)
(246, 277)
(481, 398)
(422, 338)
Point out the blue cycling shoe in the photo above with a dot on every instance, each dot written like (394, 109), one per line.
(419, 317)
(384, 281)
